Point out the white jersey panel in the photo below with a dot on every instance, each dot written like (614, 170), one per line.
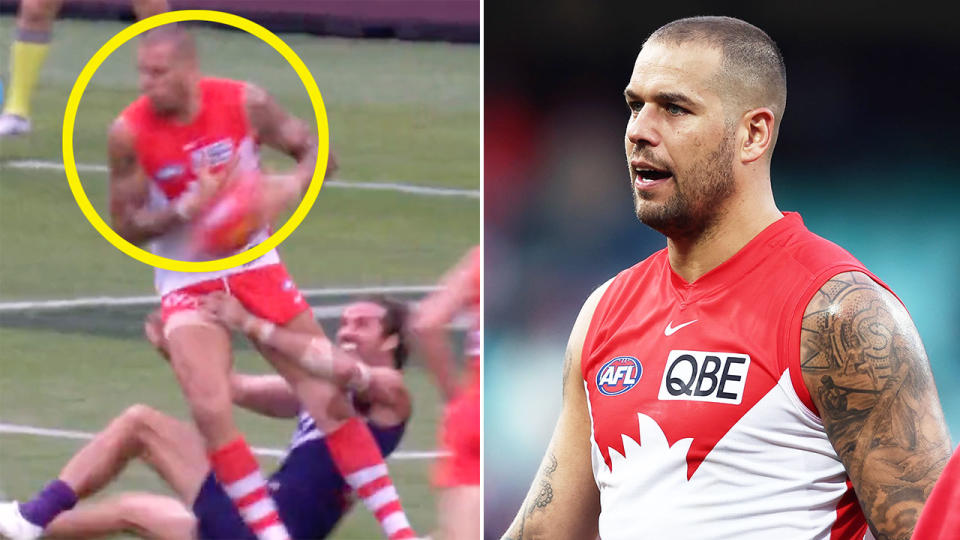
(774, 475)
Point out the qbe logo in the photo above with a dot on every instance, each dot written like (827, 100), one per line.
(619, 375)
(717, 377)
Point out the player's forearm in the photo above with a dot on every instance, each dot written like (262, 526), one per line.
(315, 354)
(554, 508)
(306, 164)
(143, 224)
(439, 358)
(298, 179)
(269, 395)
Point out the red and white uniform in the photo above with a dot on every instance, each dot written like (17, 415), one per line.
(460, 430)
(169, 153)
(940, 518)
(702, 425)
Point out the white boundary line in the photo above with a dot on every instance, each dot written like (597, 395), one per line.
(95, 301)
(327, 312)
(16, 429)
(400, 187)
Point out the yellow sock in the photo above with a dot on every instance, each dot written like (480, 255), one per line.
(26, 59)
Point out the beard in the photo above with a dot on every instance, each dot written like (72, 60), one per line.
(697, 199)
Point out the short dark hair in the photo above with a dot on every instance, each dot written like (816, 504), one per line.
(752, 65)
(395, 322)
(180, 35)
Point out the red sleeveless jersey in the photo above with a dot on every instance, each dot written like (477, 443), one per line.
(702, 424)
(940, 518)
(169, 152)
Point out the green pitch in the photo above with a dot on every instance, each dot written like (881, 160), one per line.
(401, 113)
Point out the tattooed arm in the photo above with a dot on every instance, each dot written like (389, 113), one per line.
(867, 372)
(563, 501)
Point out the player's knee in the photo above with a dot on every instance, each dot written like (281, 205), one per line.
(135, 418)
(157, 516)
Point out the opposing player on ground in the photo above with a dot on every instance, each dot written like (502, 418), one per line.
(457, 476)
(169, 153)
(29, 50)
(311, 494)
(752, 380)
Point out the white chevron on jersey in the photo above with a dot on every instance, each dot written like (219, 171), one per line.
(774, 475)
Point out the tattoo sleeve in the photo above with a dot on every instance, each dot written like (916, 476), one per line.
(130, 217)
(867, 372)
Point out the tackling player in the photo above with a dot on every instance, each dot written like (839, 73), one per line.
(29, 50)
(311, 494)
(457, 476)
(169, 152)
(752, 380)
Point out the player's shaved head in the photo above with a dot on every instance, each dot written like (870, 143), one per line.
(184, 45)
(751, 74)
(168, 68)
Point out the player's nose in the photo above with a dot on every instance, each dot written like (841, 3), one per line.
(641, 128)
(146, 84)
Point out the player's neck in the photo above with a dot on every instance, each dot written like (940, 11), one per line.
(741, 221)
(188, 113)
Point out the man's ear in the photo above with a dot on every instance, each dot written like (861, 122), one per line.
(391, 343)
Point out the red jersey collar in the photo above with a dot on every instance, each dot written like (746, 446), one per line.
(738, 265)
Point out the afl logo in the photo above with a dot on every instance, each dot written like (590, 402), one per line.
(619, 375)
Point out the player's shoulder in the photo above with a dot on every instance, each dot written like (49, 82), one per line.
(584, 319)
(641, 275)
(120, 132)
(135, 114)
(221, 83)
(224, 91)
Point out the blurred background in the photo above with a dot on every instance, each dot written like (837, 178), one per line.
(867, 154)
(401, 84)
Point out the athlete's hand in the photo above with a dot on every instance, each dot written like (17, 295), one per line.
(279, 192)
(226, 309)
(201, 191)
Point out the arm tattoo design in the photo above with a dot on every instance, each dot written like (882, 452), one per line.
(543, 498)
(867, 372)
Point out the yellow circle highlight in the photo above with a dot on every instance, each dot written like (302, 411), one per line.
(70, 164)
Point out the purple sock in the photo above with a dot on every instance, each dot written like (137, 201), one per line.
(44, 506)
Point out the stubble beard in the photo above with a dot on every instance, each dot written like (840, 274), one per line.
(697, 200)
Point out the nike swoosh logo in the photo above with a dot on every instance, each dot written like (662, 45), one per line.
(669, 330)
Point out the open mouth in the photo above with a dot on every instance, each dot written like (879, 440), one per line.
(649, 178)
(652, 175)
(348, 346)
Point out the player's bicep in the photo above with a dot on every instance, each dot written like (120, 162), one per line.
(868, 374)
(127, 188)
(275, 127)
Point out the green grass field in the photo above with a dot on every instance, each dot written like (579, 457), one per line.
(398, 112)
